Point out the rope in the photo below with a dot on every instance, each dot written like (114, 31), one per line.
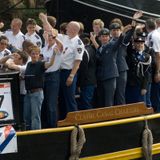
(77, 141)
(140, 65)
(109, 11)
(147, 141)
(129, 8)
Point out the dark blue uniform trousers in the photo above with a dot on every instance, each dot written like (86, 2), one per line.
(67, 102)
(106, 92)
(49, 107)
(119, 97)
(155, 96)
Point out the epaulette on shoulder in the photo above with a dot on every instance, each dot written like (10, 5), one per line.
(79, 42)
(23, 37)
(6, 53)
(37, 36)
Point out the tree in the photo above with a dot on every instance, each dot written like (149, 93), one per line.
(10, 9)
(30, 3)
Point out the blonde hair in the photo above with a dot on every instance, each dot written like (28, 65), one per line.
(98, 22)
(81, 28)
(34, 48)
(116, 20)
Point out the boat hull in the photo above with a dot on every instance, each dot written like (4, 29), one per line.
(108, 139)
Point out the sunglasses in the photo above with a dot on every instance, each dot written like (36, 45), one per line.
(50, 35)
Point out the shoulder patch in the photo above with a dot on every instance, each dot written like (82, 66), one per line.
(79, 42)
(37, 36)
(6, 53)
(23, 36)
(38, 44)
(79, 50)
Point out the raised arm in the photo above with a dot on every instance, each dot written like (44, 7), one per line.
(58, 42)
(93, 40)
(129, 29)
(46, 25)
(136, 16)
(4, 59)
(121, 37)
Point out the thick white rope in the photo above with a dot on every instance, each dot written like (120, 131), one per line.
(147, 141)
(77, 141)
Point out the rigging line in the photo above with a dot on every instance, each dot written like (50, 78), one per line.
(106, 10)
(133, 9)
(118, 9)
(125, 11)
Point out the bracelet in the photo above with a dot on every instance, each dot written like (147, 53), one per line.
(71, 75)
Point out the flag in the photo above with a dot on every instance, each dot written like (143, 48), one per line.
(8, 140)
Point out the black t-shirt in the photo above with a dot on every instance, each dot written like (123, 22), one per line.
(34, 75)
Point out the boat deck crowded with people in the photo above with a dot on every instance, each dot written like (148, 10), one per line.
(81, 82)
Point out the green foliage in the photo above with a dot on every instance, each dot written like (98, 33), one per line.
(30, 13)
(21, 11)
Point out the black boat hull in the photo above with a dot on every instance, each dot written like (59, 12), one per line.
(119, 138)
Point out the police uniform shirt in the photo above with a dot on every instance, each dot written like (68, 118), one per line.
(47, 54)
(73, 49)
(158, 29)
(15, 40)
(34, 38)
(153, 40)
(60, 37)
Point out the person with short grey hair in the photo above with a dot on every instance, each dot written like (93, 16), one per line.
(15, 36)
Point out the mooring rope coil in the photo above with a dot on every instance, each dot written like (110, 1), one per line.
(147, 141)
(77, 141)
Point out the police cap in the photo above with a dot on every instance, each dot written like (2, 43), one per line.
(139, 39)
(104, 31)
(114, 26)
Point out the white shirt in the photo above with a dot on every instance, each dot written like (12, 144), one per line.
(22, 81)
(158, 29)
(15, 40)
(153, 40)
(72, 50)
(21, 74)
(34, 38)
(47, 54)
(1, 34)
